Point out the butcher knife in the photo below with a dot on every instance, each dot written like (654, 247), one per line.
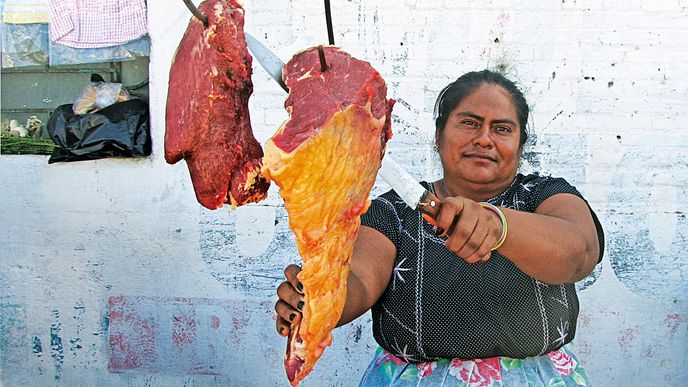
(270, 62)
(405, 185)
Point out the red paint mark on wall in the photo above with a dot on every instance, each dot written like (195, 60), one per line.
(673, 321)
(214, 322)
(132, 339)
(627, 339)
(583, 320)
(183, 329)
(649, 352)
(182, 335)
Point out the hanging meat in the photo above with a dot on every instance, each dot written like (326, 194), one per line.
(325, 158)
(207, 118)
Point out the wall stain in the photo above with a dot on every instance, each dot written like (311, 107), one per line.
(36, 346)
(256, 275)
(357, 334)
(673, 321)
(104, 323)
(75, 342)
(56, 350)
(638, 264)
(627, 339)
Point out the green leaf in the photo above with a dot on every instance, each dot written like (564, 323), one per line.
(387, 370)
(578, 377)
(510, 364)
(556, 382)
(411, 373)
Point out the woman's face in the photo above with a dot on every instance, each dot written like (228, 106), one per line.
(479, 146)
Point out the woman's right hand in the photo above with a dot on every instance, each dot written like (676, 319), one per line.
(471, 230)
(290, 302)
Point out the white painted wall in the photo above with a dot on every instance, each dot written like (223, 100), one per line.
(112, 274)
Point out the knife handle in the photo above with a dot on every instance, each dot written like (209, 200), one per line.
(429, 205)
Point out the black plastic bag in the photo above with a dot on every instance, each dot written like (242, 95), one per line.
(119, 130)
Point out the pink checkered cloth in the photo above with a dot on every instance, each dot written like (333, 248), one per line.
(96, 23)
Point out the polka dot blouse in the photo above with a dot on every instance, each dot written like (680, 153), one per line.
(438, 306)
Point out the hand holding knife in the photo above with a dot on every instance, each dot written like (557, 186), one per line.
(410, 190)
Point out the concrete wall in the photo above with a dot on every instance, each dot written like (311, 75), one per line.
(113, 275)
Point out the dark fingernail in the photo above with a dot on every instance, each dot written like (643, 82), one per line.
(292, 316)
(299, 286)
(299, 306)
(439, 231)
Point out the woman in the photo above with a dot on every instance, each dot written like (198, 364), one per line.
(487, 296)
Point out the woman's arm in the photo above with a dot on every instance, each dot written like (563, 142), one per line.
(556, 244)
(370, 270)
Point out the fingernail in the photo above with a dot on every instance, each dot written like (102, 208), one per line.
(292, 316)
(299, 306)
(281, 330)
(299, 286)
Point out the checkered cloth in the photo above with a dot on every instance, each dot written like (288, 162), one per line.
(96, 23)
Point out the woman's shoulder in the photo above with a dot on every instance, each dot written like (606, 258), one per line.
(534, 182)
(536, 177)
(528, 191)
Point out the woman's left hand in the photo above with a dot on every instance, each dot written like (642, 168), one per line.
(471, 229)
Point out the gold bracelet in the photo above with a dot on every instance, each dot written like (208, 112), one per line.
(505, 225)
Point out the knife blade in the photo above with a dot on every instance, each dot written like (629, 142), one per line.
(409, 189)
(270, 62)
(405, 185)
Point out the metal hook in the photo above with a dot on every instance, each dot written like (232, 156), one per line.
(323, 64)
(203, 18)
(328, 19)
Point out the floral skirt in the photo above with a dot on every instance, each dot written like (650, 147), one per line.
(557, 368)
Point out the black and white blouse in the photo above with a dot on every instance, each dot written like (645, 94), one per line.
(438, 306)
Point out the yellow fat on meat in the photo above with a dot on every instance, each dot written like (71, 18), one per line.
(325, 184)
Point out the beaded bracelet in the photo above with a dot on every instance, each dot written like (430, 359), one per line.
(505, 225)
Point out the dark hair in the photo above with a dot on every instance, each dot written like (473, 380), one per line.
(452, 95)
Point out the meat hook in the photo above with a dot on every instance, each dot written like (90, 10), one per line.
(330, 36)
(328, 19)
(203, 18)
(321, 54)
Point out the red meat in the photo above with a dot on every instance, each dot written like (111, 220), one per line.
(207, 118)
(347, 81)
(325, 159)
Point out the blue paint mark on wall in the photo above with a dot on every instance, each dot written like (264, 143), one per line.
(12, 335)
(104, 322)
(75, 342)
(37, 347)
(56, 351)
(255, 276)
(640, 265)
